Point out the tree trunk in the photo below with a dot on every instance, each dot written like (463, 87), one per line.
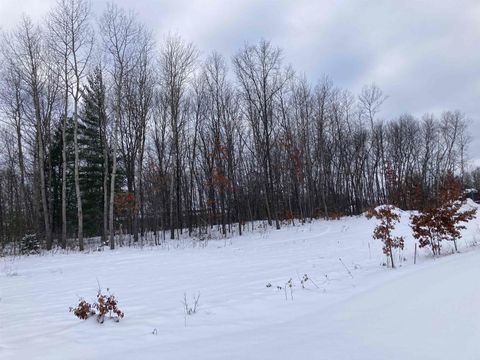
(41, 169)
(112, 182)
(64, 170)
(77, 177)
(105, 188)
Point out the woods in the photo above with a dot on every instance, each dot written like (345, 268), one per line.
(106, 132)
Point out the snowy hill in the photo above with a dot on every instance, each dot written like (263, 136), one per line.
(352, 307)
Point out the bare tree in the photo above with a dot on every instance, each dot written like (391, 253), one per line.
(261, 77)
(120, 32)
(71, 40)
(138, 99)
(12, 99)
(59, 43)
(371, 99)
(25, 47)
(176, 65)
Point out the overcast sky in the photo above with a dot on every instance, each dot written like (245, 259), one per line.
(423, 54)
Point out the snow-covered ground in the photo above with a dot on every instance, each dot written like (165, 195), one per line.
(360, 309)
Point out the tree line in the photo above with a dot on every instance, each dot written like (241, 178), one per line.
(107, 132)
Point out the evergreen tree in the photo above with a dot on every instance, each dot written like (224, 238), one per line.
(92, 143)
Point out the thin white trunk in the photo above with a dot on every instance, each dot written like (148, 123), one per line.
(77, 174)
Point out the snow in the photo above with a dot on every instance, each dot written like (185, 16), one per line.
(425, 311)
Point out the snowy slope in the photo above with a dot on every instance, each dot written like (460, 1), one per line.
(425, 311)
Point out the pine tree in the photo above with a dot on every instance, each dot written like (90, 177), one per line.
(92, 152)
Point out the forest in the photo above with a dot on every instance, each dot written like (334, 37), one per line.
(107, 131)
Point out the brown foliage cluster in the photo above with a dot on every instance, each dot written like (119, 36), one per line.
(287, 217)
(406, 191)
(83, 310)
(443, 222)
(125, 203)
(383, 231)
(331, 215)
(106, 304)
(392, 184)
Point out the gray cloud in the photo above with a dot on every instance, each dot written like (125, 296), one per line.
(423, 54)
